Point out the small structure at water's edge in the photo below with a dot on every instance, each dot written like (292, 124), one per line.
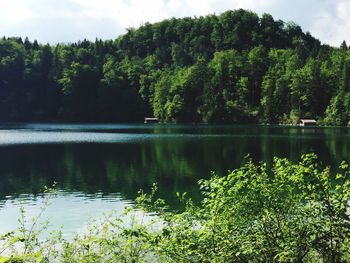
(307, 122)
(151, 120)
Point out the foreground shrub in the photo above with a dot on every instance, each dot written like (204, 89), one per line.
(286, 213)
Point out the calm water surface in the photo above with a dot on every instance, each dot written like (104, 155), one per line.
(101, 167)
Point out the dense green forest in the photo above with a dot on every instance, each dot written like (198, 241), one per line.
(228, 68)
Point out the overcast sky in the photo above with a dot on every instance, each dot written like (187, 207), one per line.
(72, 20)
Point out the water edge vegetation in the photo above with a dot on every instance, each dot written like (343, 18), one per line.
(283, 213)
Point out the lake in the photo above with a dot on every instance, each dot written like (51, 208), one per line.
(101, 167)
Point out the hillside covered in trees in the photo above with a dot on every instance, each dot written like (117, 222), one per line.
(236, 67)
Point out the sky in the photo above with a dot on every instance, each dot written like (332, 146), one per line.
(56, 21)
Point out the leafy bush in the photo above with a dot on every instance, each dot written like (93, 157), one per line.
(286, 213)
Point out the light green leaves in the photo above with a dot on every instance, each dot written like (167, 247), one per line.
(284, 213)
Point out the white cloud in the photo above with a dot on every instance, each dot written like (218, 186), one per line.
(333, 27)
(71, 20)
(14, 13)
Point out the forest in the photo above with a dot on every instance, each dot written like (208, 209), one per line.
(235, 67)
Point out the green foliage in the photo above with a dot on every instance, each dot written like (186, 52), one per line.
(289, 213)
(233, 67)
(25, 244)
(285, 213)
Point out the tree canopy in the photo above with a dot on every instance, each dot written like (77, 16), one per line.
(228, 68)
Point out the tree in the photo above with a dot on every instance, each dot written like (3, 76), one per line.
(343, 46)
(233, 67)
(79, 84)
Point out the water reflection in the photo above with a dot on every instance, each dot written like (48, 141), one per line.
(62, 210)
(108, 159)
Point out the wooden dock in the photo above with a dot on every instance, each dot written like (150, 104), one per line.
(151, 120)
(307, 122)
